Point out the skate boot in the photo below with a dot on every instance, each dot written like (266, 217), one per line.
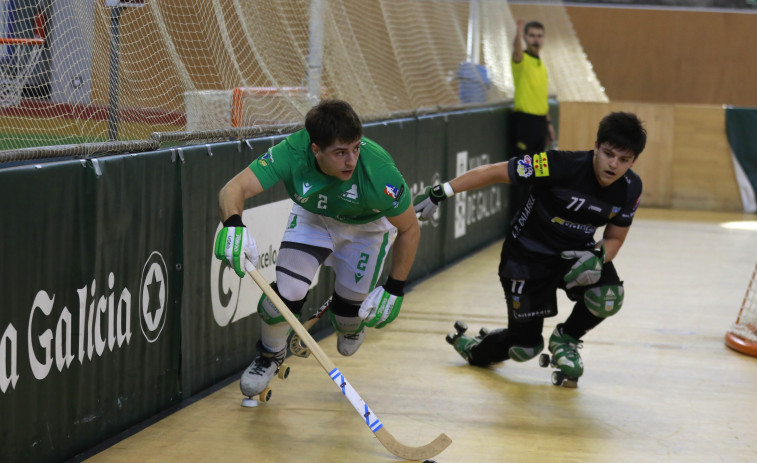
(565, 357)
(462, 343)
(348, 343)
(255, 379)
(350, 333)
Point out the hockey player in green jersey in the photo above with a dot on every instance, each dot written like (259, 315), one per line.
(351, 205)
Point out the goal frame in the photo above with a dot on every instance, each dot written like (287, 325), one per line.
(733, 339)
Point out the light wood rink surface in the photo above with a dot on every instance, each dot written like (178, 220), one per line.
(659, 383)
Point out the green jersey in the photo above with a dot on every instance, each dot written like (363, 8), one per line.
(375, 190)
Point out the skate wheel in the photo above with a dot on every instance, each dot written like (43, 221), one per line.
(461, 327)
(451, 339)
(249, 402)
(544, 360)
(483, 332)
(570, 383)
(283, 372)
(557, 378)
(265, 396)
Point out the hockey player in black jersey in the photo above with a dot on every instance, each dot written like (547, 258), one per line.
(551, 243)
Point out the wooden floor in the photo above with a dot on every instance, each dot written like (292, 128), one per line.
(659, 384)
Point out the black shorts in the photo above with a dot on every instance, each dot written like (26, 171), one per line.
(531, 287)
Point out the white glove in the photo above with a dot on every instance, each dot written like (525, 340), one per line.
(425, 204)
(380, 308)
(586, 270)
(236, 245)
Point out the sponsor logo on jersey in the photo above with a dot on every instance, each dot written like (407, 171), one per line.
(525, 168)
(350, 195)
(586, 228)
(306, 187)
(266, 159)
(541, 166)
(299, 199)
(638, 201)
(614, 212)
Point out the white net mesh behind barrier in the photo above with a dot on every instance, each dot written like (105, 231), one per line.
(746, 323)
(121, 73)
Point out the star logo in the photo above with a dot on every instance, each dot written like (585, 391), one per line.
(153, 297)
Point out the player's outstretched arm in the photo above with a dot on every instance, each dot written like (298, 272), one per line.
(426, 203)
(481, 176)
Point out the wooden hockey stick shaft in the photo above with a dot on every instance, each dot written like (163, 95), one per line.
(371, 420)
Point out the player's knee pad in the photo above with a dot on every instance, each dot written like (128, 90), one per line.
(603, 301)
(523, 353)
(270, 314)
(343, 315)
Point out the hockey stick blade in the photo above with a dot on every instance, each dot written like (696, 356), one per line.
(371, 420)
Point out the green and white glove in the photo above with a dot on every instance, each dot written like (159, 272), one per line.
(235, 244)
(427, 202)
(586, 270)
(383, 304)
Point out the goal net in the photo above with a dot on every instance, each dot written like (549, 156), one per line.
(742, 335)
(121, 70)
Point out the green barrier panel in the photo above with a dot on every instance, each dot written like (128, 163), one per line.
(92, 289)
(476, 218)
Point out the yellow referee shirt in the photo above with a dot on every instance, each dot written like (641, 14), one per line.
(530, 78)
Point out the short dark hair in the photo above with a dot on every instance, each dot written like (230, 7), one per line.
(623, 131)
(333, 120)
(535, 24)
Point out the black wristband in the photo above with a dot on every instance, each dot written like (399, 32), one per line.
(437, 194)
(234, 221)
(394, 287)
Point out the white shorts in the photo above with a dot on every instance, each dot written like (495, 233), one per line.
(358, 251)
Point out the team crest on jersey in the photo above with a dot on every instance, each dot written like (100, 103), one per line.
(525, 168)
(638, 201)
(614, 211)
(266, 159)
(541, 166)
(394, 192)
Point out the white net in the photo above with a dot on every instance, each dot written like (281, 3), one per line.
(745, 326)
(115, 73)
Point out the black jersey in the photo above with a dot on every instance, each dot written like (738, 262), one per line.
(566, 203)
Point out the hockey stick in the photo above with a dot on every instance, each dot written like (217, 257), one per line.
(371, 420)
